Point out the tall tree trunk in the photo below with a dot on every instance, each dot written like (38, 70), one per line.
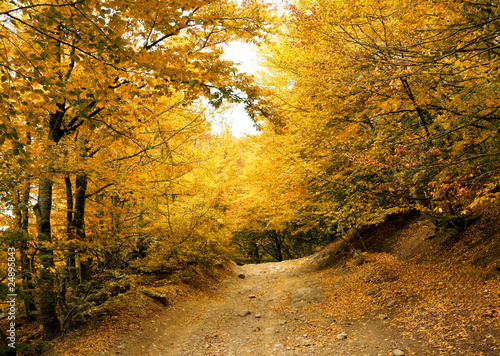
(47, 295)
(79, 221)
(79, 216)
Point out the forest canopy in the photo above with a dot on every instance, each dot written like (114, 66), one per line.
(108, 160)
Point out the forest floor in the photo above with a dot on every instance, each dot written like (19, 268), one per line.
(412, 294)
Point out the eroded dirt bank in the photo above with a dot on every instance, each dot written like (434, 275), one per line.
(410, 297)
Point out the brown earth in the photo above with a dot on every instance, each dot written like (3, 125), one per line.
(415, 291)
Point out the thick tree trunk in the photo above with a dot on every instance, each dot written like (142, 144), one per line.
(47, 295)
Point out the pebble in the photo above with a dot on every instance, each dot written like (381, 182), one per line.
(341, 336)
(391, 303)
(398, 353)
(308, 294)
(270, 331)
(244, 312)
(303, 342)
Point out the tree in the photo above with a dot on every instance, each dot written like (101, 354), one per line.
(69, 65)
(393, 111)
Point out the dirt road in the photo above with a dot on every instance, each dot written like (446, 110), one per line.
(413, 298)
(252, 316)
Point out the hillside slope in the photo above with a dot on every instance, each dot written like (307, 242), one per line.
(412, 292)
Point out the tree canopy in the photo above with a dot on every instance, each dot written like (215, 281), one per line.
(366, 108)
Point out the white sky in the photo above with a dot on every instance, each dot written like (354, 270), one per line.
(236, 118)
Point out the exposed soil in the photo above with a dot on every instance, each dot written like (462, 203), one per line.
(413, 292)
(216, 325)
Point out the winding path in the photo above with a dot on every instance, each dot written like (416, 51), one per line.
(251, 316)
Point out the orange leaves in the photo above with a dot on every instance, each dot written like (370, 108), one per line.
(123, 78)
(359, 80)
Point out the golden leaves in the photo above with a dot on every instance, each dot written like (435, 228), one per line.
(369, 77)
(106, 90)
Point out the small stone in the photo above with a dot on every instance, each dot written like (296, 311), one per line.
(303, 342)
(258, 316)
(251, 296)
(241, 275)
(383, 316)
(308, 294)
(391, 303)
(341, 336)
(374, 291)
(270, 331)
(244, 312)
(398, 353)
